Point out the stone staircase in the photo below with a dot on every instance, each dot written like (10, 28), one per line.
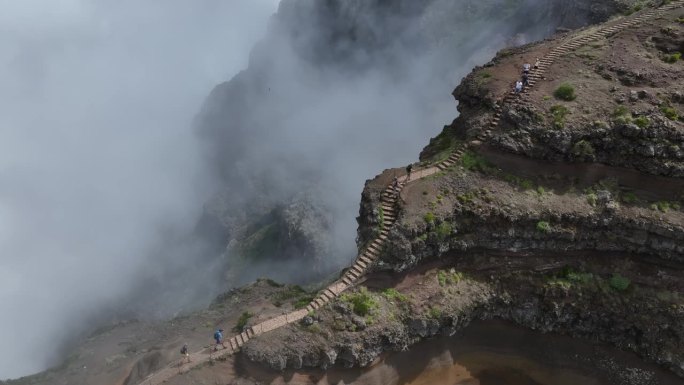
(388, 202)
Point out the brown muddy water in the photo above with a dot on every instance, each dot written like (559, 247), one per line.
(489, 353)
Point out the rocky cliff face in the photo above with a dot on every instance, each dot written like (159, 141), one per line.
(561, 221)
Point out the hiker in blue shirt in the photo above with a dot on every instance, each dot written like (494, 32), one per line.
(218, 337)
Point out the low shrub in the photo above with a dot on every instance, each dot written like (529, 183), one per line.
(362, 302)
(642, 122)
(565, 92)
(393, 294)
(242, 322)
(669, 112)
(444, 230)
(619, 282)
(673, 58)
(543, 226)
(629, 197)
(583, 149)
(429, 217)
(559, 114)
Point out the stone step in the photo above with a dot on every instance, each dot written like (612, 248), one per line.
(233, 345)
(244, 336)
(310, 308)
(327, 296)
(361, 263)
(367, 260)
(319, 301)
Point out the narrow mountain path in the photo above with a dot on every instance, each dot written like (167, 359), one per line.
(390, 196)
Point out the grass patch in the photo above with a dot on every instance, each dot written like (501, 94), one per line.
(592, 199)
(362, 302)
(429, 217)
(473, 162)
(642, 122)
(394, 295)
(672, 58)
(242, 322)
(565, 92)
(584, 150)
(523, 183)
(543, 227)
(619, 283)
(435, 312)
(559, 113)
(629, 197)
(444, 230)
(449, 277)
(669, 112)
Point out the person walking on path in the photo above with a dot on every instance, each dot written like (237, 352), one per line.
(537, 64)
(185, 354)
(395, 185)
(409, 168)
(525, 80)
(518, 87)
(218, 337)
(526, 68)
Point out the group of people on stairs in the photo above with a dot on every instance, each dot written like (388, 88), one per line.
(525, 77)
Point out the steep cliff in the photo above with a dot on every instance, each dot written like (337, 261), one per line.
(330, 79)
(567, 217)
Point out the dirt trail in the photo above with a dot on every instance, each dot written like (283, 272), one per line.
(391, 194)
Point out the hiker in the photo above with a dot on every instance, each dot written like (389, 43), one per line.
(526, 68)
(537, 64)
(525, 80)
(395, 184)
(218, 337)
(184, 353)
(518, 87)
(408, 172)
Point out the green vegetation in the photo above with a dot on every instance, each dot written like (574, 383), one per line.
(680, 20)
(541, 190)
(394, 295)
(592, 199)
(583, 149)
(449, 277)
(362, 302)
(636, 8)
(242, 322)
(619, 282)
(629, 197)
(429, 217)
(622, 115)
(435, 312)
(669, 112)
(565, 92)
(444, 230)
(295, 292)
(559, 113)
(467, 197)
(443, 145)
(673, 58)
(524, 184)
(665, 206)
(543, 227)
(642, 122)
(474, 162)
(568, 277)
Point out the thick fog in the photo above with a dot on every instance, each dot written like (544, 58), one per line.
(98, 164)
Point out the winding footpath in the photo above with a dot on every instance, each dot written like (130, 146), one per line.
(389, 205)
